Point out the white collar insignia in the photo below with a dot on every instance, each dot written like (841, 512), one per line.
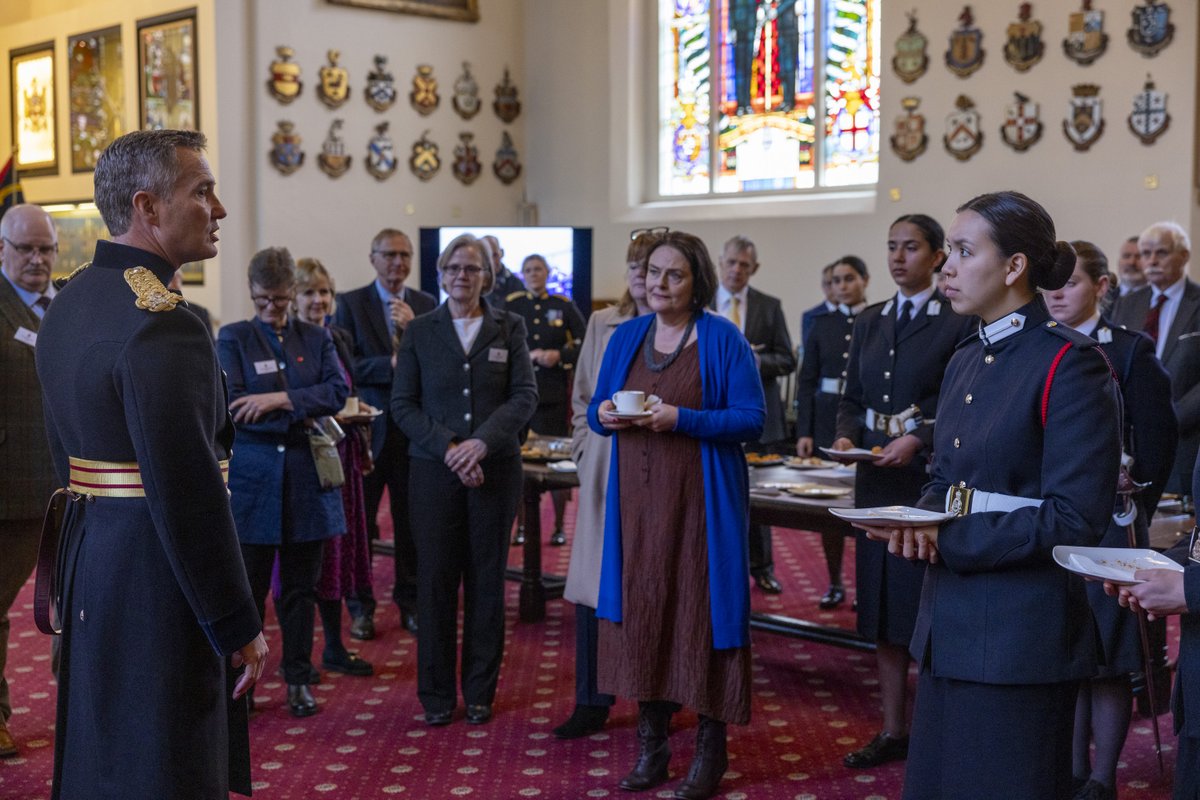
(933, 308)
(1104, 335)
(1002, 328)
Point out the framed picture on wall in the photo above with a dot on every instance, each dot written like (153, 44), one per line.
(33, 113)
(464, 10)
(167, 78)
(79, 227)
(96, 90)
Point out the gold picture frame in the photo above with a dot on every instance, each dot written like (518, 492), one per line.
(461, 10)
(79, 227)
(96, 93)
(34, 113)
(168, 79)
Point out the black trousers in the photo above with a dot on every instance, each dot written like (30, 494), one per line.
(587, 635)
(299, 569)
(462, 539)
(391, 471)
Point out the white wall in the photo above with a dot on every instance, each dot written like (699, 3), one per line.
(579, 86)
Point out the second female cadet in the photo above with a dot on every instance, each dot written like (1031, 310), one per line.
(898, 355)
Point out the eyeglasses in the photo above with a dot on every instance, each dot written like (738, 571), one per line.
(279, 301)
(661, 230)
(45, 251)
(391, 255)
(471, 270)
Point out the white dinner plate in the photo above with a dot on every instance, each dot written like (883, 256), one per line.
(1116, 564)
(634, 415)
(896, 515)
(853, 454)
(815, 463)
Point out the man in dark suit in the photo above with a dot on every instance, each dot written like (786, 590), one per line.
(1167, 310)
(760, 318)
(376, 316)
(27, 252)
(505, 282)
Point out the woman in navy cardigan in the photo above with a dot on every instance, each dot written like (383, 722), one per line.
(674, 600)
(282, 374)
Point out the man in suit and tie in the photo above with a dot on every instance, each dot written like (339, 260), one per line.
(376, 316)
(1167, 310)
(760, 318)
(28, 249)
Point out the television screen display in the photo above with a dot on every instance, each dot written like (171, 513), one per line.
(568, 253)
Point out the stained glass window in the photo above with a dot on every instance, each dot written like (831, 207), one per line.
(740, 107)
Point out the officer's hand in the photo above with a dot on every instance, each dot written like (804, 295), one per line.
(900, 451)
(804, 446)
(549, 358)
(254, 656)
(1160, 593)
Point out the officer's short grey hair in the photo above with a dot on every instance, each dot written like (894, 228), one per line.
(141, 161)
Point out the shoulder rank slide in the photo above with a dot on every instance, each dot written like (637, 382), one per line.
(151, 294)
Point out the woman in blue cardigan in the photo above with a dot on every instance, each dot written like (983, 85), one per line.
(282, 374)
(674, 599)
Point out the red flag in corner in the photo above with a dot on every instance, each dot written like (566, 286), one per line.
(10, 188)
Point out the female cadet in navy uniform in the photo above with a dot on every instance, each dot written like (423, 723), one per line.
(897, 356)
(1026, 456)
(1105, 702)
(555, 329)
(819, 388)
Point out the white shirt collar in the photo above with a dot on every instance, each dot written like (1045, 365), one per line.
(725, 297)
(831, 307)
(918, 300)
(1088, 325)
(1002, 328)
(1173, 292)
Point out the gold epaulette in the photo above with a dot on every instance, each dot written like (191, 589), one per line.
(151, 294)
(61, 282)
(516, 295)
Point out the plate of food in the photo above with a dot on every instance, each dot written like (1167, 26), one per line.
(542, 451)
(1115, 564)
(809, 462)
(818, 491)
(853, 454)
(904, 516)
(763, 459)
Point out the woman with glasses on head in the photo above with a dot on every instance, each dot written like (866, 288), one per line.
(591, 453)
(463, 393)
(283, 375)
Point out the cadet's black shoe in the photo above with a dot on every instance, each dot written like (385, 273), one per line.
(408, 620)
(767, 582)
(477, 715)
(584, 721)
(438, 718)
(362, 628)
(880, 750)
(834, 596)
(348, 664)
(519, 536)
(300, 700)
(558, 538)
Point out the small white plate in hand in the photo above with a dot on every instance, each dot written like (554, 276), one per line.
(853, 454)
(634, 415)
(1114, 564)
(903, 516)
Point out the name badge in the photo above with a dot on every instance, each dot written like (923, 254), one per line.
(497, 355)
(26, 336)
(266, 367)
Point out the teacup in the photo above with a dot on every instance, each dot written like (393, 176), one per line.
(629, 402)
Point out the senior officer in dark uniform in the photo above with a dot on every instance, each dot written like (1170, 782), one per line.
(555, 330)
(898, 355)
(154, 599)
(1026, 457)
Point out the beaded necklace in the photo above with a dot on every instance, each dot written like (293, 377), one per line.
(648, 346)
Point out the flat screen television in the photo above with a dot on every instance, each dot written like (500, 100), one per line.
(568, 252)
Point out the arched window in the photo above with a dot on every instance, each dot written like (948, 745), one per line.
(766, 96)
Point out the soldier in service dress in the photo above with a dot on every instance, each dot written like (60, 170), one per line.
(155, 608)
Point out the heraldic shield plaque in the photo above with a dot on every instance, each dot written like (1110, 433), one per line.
(284, 83)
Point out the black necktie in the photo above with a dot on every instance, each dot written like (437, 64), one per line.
(904, 317)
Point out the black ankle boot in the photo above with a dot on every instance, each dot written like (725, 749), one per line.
(584, 721)
(709, 763)
(654, 722)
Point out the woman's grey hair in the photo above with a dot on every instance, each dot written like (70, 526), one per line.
(141, 161)
(469, 241)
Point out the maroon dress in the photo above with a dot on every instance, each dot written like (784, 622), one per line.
(662, 650)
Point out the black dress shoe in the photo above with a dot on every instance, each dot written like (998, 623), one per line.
(348, 664)
(519, 536)
(438, 718)
(584, 721)
(300, 700)
(767, 582)
(834, 596)
(558, 538)
(362, 628)
(408, 620)
(477, 715)
(880, 750)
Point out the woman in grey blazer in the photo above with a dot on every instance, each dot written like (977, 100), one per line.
(464, 391)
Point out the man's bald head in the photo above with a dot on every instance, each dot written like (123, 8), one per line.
(28, 247)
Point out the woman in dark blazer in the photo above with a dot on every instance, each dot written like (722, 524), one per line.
(1026, 456)
(898, 355)
(282, 375)
(819, 390)
(464, 391)
(1105, 703)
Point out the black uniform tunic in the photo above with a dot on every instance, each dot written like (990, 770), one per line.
(1004, 634)
(552, 323)
(826, 353)
(889, 375)
(154, 595)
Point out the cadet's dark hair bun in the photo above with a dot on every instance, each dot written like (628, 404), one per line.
(1019, 224)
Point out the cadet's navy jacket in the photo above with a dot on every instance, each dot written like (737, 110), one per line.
(826, 352)
(996, 608)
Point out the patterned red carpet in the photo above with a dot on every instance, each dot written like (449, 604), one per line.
(812, 704)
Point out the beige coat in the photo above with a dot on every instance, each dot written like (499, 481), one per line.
(592, 454)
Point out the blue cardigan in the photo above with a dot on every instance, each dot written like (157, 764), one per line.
(733, 412)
